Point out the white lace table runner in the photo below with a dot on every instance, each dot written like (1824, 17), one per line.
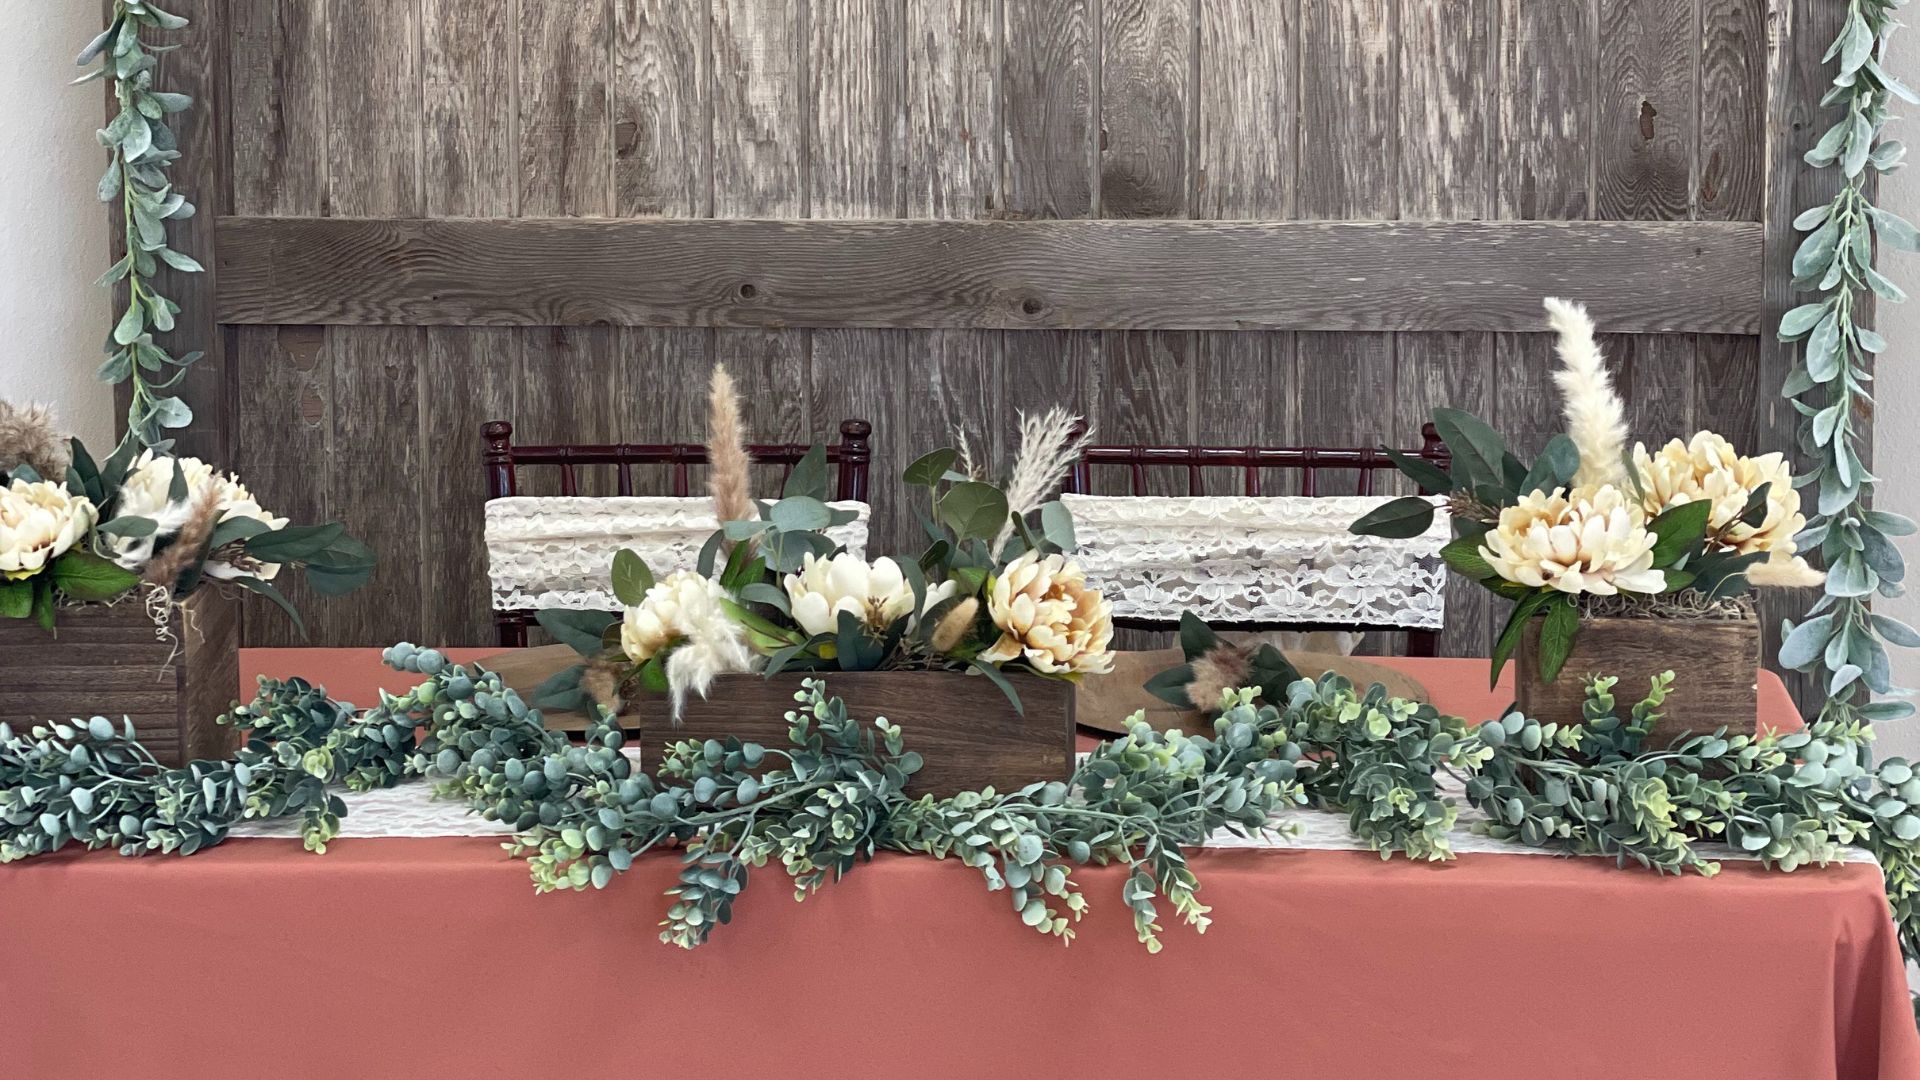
(557, 551)
(1281, 559)
(410, 810)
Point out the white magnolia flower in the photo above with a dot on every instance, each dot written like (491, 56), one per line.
(1707, 467)
(876, 593)
(685, 612)
(1596, 542)
(39, 522)
(144, 494)
(1049, 616)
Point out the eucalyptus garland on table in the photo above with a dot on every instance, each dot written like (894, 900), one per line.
(142, 149)
(1595, 788)
(835, 795)
(1841, 636)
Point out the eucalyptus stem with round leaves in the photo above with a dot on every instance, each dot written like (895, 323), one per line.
(142, 149)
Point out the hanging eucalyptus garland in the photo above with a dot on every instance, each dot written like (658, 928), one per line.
(142, 149)
(1841, 636)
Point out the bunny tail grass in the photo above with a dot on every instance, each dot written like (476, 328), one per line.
(1595, 419)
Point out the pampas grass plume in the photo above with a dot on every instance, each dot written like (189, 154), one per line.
(28, 437)
(1048, 448)
(728, 480)
(1596, 420)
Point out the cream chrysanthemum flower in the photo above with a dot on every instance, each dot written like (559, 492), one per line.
(1709, 468)
(1050, 617)
(876, 593)
(1595, 542)
(39, 522)
(145, 492)
(685, 612)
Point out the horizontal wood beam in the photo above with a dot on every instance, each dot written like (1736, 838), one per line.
(1637, 277)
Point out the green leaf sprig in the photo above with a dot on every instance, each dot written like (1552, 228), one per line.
(1841, 637)
(142, 149)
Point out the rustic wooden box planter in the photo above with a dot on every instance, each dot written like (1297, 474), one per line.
(963, 726)
(106, 660)
(1715, 663)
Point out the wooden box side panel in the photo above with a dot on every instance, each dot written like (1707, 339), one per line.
(106, 660)
(1716, 665)
(963, 726)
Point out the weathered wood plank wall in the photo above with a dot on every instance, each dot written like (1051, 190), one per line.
(1004, 110)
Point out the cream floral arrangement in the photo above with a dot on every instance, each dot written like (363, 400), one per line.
(1592, 525)
(997, 590)
(73, 531)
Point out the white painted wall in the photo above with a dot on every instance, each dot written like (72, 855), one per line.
(1897, 425)
(53, 236)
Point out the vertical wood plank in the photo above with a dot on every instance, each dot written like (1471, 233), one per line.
(759, 108)
(374, 140)
(662, 102)
(1447, 66)
(373, 116)
(1247, 385)
(1648, 114)
(1543, 155)
(1146, 57)
(952, 170)
(660, 107)
(1547, 81)
(283, 441)
(572, 379)
(856, 64)
(468, 375)
(283, 422)
(1050, 136)
(952, 108)
(566, 118)
(380, 457)
(1347, 107)
(1248, 109)
(1349, 156)
(1731, 164)
(468, 93)
(759, 161)
(1645, 134)
(277, 107)
(1799, 32)
(1733, 100)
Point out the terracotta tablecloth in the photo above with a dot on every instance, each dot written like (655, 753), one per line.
(431, 958)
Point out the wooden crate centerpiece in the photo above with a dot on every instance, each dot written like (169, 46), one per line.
(112, 660)
(962, 725)
(1715, 662)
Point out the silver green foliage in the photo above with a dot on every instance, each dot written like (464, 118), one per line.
(1789, 800)
(1841, 637)
(142, 148)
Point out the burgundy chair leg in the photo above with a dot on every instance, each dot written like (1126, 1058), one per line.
(1423, 643)
(512, 626)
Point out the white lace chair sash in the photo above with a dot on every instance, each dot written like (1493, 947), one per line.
(1281, 560)
(557, 551)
